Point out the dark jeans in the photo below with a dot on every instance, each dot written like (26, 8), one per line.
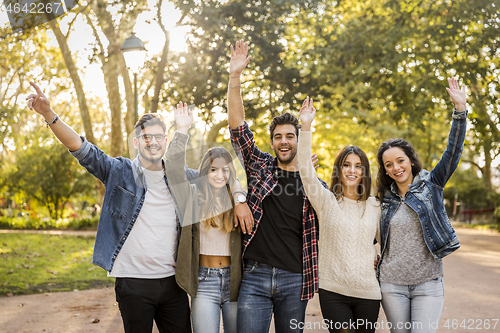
(348, 314)
(143, 300)
(266, 290)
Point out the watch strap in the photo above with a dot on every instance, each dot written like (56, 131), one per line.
(56, 118)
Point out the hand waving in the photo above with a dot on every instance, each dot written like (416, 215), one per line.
(457, 94)
(183, 117)
(239, 59)
(307, 113)
(38, 101)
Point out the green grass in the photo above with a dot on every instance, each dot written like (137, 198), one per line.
(35, 263)
(45, 223)
(483, 226)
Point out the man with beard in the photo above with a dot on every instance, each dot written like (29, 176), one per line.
(139, 228)
(280, 254)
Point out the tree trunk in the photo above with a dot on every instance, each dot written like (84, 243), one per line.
(111, 62)
(129, 95)
(70, 64)
(160, 73)
(82, 100)
(111, 72)
(487, 164)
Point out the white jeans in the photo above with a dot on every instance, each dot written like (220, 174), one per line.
(413, 308)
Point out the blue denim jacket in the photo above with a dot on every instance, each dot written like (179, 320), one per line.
(425, 197)
(125, 190)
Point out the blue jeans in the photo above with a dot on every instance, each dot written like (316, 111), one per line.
(264, 290)
(413, 308)
(211, 298)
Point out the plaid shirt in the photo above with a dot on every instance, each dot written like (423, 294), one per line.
(262, 176)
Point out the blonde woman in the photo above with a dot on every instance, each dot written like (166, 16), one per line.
(209, 259)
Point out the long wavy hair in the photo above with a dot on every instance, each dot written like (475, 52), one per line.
(216, 214)
(384, 181)
(364, 187)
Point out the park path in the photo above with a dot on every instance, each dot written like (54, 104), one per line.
(472, 276)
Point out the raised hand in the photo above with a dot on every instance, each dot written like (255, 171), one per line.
(457, 94)
(239, 59)
(183, 117)
(38, 101)
(307, 113)
(315, 160)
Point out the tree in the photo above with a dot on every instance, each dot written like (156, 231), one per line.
(200, 75)
(384, 65)
(50, 175)
(25, 57)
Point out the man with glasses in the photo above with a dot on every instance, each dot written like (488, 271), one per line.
(139, 228)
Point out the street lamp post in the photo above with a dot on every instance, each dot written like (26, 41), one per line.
(135, 53)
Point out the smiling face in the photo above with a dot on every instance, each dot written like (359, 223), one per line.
(398, 166)
(151, 144)
(219, 172)
(352, 171)
(284, 143)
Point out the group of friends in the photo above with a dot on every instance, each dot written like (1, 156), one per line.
(166, 231)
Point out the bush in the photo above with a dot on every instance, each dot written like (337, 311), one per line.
(44, 224)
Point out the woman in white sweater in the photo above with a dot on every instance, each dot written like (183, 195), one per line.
(349, 292)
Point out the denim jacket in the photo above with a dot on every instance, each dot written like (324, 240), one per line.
(425, 197)
(125, 190)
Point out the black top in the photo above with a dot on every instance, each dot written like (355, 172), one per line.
(278, 240)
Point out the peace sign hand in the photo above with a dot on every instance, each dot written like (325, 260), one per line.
(38, 101)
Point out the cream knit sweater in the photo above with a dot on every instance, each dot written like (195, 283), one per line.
(347, 229)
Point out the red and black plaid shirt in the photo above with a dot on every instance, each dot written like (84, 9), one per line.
(262, 176)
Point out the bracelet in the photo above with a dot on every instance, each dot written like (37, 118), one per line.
(234, 77)
(56, 118)
(239, 84)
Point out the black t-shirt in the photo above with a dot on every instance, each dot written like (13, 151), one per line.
(278, 240)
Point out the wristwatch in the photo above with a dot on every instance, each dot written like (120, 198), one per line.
(241, 197)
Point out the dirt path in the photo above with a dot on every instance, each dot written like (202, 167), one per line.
(472, 276)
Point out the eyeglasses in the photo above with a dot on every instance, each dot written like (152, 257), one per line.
(149, 137)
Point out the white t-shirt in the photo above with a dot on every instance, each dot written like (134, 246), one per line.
(150, 249)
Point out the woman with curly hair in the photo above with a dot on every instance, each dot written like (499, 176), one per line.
(414, 228)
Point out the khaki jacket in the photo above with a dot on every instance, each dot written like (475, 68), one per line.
(186, 196)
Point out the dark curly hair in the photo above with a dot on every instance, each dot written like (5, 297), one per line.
(283, 119)
(384, 181)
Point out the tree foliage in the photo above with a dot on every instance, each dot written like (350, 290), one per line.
(375, 69)
(50, 175)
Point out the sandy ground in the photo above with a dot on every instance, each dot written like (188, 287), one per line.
(472, 301)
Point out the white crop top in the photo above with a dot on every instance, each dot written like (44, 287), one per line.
(214, 241)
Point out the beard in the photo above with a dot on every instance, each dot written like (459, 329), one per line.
(143, 152)
(289, 159)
